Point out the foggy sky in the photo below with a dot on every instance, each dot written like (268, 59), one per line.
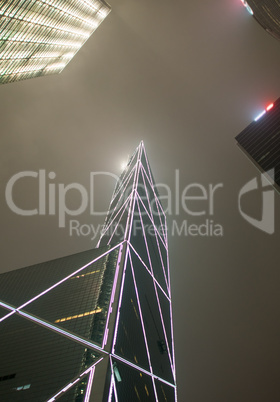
(185, 77)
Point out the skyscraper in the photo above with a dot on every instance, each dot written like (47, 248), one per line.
(41, 37)
(96, 326)
(260, 141)
(267, 13)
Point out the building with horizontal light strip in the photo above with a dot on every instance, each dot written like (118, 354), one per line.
(267, 13)
(260, 141)
(96, 326)
(40, 37)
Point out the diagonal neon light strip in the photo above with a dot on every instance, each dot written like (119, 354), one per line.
(145, 188)
(9, 307)
(164, 331)
(147, 247)
(69, 276)
(140, 312)
(67, 334)
(106, 332)
(54, 398)
(120, 301)
(155, 199)
(110, 213)
(161, 316)
(147, 163)
(117, 225)
(145, 238)
(113, 219)
(113, 382)
(150, 218)
(89, 385)
(123, 186)
(155, 389)
(138, 368)
(149, 272)
(132, 204)
(156, 232)
(110, 388)
(130, 164)
(152, 185)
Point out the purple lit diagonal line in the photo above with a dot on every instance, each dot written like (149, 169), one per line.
(138, 368)
(162, 321)
(152, 188)
(132, 203)
(123, 186)
(147, 163)
(140, 312)
(156, 232)
(117, 225)
(67, 277)
(89, 385)
(62, 332)
(120, 211)
(149, 272)
(75, 381)
(111, 213)
(112, 296)
(113, 218)
(152, 221)
(164, 331)
(9, 308)
(144, 174)
(113, 382)
(120, 302)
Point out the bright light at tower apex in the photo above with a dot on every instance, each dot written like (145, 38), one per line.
(123, 165)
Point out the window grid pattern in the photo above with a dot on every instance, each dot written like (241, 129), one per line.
(39, 37)
(267, 13)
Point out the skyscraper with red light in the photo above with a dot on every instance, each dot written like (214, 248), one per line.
(267, 13)
(96, 326)
(260, 141)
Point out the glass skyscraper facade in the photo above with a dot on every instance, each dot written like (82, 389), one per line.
(267, 13)
(40, 37)
(96, 326)
(260, 141)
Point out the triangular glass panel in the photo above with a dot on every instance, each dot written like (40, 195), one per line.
(152, 321)
(164, 258)
(143, 191)
(116, 232)
(138, 237)
(80, 304)
(40, 277)
(145, 164)
(153, 248)
(133, 385)
(130, 341)
(121, 198)
(37, 362)
(165, 392)
(165, 310)
(155, 212)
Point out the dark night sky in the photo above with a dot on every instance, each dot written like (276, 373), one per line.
(186, 77)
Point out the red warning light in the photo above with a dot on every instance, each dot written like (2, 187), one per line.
(269, 107)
